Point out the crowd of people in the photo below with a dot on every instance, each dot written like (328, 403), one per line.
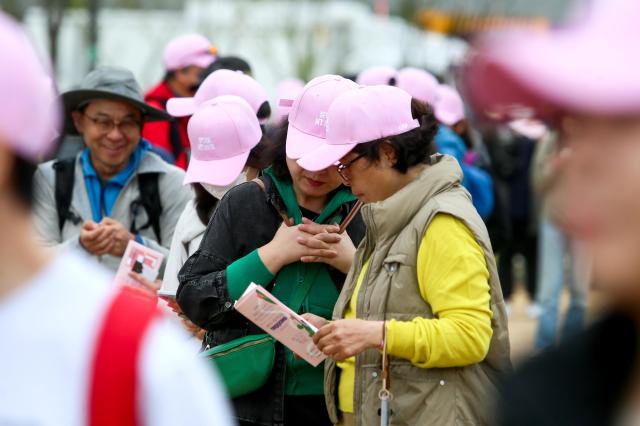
(387, 209)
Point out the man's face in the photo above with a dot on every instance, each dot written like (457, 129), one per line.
(600, 193)
(111, 130)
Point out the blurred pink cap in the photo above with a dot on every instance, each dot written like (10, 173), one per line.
(590, 66)
(222, 133)
(308, 117)
(218, 83)
(29, 109)
(287, 91)
(448, 106)
(374, 76)
(420, 84)
(188, 50)
(358, 116)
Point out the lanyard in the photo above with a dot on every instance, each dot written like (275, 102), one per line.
(385, 394)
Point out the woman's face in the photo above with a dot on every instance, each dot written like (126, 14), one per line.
(313, 184)
(372, 181)
(600, 193)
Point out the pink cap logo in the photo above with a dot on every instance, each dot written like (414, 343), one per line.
(321, 121)
(308, 115)
(205, 144)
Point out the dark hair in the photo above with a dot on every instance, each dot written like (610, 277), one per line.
(278, 151)
(168, 75)
(232, 63)
(413, 147)
(22, 180)
(204, 202)
(260, 156)
(264, 111)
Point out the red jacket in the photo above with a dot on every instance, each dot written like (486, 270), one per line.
(158, 132)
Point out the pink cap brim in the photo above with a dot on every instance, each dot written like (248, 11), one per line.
(324, 156)
(554, 74)
(300, 144)
(216, 172)
(446, 118)
(181, 107)
(202, 61)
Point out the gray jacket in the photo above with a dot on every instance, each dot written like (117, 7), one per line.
(173, 196)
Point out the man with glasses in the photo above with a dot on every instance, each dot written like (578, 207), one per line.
(116, 189)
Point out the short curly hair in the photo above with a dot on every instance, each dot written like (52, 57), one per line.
(413, 147)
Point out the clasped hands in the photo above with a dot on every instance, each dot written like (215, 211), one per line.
(309, 242)
(107, 237)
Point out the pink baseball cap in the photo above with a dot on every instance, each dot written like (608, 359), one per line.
(361, 115)
(589, 65)
(448, 106)
(188, 50)
(308, 116)
(420, 84)
(218, 83)
(222, 133)
(30, 111)
(378, 75)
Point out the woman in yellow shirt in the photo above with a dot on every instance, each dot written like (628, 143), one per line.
(423, 285)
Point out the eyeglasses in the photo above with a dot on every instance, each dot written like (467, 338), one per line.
(342, 168)
(106, 124)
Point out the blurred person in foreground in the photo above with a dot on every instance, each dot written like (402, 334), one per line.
(75, 350)
(582, 77)
(560, 260)
(250, 238)
(116, 190)
(423, 287)
(184, 58)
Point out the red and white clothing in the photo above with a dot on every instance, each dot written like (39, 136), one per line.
(159, 132)
(48, 330)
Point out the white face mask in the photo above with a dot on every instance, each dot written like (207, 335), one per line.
(219, 191)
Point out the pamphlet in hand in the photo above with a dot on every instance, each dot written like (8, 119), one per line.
(140, 259)
(274, 317)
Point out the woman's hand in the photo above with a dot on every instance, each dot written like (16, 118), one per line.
(330, 248)
(193, 329)
(310, 227)
(284, 248)
(345, 338)
(172, 304)
(315, 320)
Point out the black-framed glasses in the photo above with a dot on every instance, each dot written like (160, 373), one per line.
(342, 168)
(106, 124)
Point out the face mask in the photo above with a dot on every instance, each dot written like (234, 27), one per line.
(219, 191)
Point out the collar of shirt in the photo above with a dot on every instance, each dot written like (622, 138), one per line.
(103, 195)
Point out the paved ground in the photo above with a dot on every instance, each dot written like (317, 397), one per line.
(522, 327)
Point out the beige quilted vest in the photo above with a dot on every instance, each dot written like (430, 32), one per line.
(395, 228)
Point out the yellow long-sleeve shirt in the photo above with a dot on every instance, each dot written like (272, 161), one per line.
(454, 280)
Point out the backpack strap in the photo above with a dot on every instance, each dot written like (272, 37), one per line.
(150, 200)
(63, 191)
(174, 131)
(113, 397)
(174, 138)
